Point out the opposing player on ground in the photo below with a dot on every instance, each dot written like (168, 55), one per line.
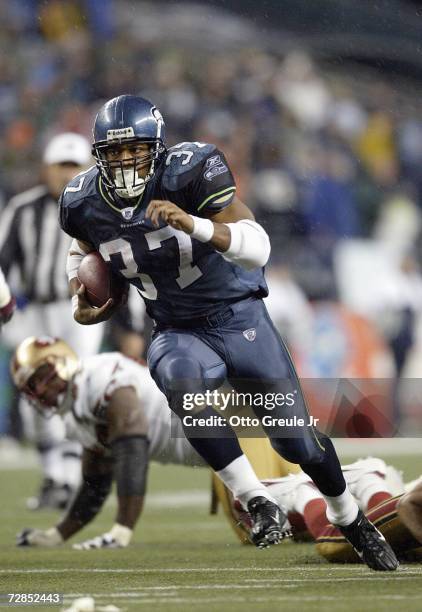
(380, 494)
(113, 408)
(169, 221)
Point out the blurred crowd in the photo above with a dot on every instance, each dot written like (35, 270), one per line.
(327, 155)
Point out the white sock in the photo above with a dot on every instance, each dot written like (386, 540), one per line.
(242, 481)
(71, 461)
(366, 487)
(342, 509)
(52, 463)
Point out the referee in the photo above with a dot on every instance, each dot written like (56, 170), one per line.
(33, 252)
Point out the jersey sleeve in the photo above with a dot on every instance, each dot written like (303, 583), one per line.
(213, 187)
(109, 373)
(68, 220)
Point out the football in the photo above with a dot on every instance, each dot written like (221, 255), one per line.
(100, 282)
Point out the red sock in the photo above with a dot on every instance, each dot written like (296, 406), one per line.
(297, 522)
(378, 498)
(315, 517)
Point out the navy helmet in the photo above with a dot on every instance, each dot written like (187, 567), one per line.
(128, 120)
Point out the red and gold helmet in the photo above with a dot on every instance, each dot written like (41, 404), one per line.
(41, 369)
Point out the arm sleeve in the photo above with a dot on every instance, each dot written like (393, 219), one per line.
(213, 187)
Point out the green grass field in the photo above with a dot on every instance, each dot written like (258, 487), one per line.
(184, 559)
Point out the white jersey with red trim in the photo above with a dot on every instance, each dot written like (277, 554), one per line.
(99, 377)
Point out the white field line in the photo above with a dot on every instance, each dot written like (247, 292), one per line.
(256, 599)
(167, 590)
(403, 570)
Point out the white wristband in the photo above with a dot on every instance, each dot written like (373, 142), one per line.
(74, 258)
(203, 229)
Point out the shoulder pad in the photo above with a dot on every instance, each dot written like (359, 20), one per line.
(82, 186)
(182, 160)
(74, 206)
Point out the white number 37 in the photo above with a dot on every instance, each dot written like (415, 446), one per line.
(188, 273)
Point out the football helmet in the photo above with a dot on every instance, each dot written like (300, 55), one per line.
(42, 369)
(130, 121)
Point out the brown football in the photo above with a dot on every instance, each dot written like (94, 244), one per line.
(99, 280)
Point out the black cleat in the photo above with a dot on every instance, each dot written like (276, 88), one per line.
(370, 544)
(269, 523)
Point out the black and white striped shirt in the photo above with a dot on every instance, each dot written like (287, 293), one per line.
(31, 239)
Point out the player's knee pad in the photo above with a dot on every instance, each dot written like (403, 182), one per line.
(299, 450)
(178, 372)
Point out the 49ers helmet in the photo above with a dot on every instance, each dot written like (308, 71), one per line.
(54, 355)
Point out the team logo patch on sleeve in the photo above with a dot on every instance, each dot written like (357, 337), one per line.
(213, 167)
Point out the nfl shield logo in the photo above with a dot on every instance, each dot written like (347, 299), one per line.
(250, 334)
(127, 213)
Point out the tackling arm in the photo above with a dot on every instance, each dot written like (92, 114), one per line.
(96, 485)
(127, 436)
(127, 429)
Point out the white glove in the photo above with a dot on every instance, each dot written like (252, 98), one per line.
(119, 536)
(38, 537)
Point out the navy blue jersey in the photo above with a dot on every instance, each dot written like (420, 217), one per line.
(179, 277)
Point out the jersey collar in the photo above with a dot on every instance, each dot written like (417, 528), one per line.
(108, 200)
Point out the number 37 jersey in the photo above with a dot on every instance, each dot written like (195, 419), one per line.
(179, 277)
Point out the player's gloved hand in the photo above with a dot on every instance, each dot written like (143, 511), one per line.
(6, 311)
(119, 536)
(86, 314)
(39, 537)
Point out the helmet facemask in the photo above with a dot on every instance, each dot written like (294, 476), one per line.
(46, 391)
(121, 177)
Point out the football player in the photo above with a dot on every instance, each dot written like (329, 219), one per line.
(380, 494)
(7, 301)
(111, 405)
(169, 221)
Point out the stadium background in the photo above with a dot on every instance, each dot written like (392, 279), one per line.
(317, 106)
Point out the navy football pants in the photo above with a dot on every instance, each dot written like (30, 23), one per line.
(193, 360)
